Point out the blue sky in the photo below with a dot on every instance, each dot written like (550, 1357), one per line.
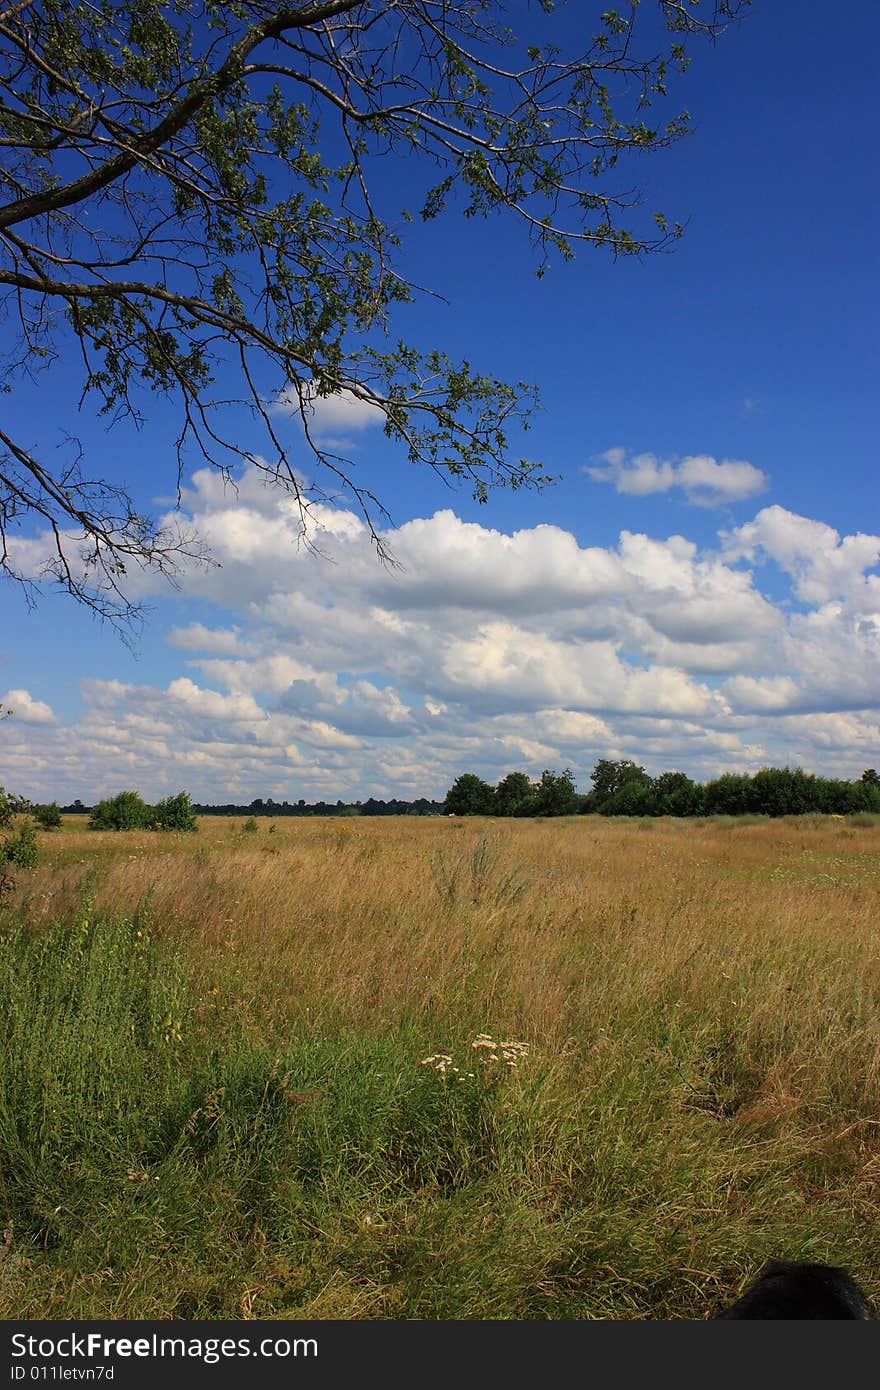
(700, 590)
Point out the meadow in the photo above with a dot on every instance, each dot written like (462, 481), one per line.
(437, 1068)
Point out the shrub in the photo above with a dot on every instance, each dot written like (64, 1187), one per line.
(21, 848)
(127, 811)
(48, 817)
(174, 813)
(11, 805)
(250, 825)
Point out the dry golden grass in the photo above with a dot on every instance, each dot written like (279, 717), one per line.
(701, 1003)
(549, 927)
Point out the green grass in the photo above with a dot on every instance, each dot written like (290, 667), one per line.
(168, 1150)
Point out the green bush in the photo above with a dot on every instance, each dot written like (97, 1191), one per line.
(127, 811)
(250, 826)
(48, 817)
(21, 848)
(11, 805)
(174, 813)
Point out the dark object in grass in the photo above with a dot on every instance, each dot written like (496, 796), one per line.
(787, 1289)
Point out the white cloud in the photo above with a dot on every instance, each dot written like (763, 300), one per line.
(340, 414)
(210, 704)
(639, 477)
(767, 694)
(704, 481)
(823, 565)
(331, 675)
(506, 667)
(26, 709)
(195, 637)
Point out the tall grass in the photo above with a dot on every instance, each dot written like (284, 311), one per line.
(237, 1075)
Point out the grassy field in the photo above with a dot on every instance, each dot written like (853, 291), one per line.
(238, 1075)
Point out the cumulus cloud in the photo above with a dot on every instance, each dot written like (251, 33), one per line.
(505, 667)
(332, 676)
(195, 637)
(26, 709)
(704, 481)
(330, 418)
(211, 704)
(767, 694)
(823, 565)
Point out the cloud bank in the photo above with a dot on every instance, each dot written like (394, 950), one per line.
(331, 675)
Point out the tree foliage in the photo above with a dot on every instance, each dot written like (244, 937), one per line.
(515, 795)
(20, 849)
(609, 778)
(174, 813)
(48, 816)
(555, 794)
(11, 805)
(469, 795)
(675, 794)
(125, 811)
(128, 811)
(624, 788)
(193, 203)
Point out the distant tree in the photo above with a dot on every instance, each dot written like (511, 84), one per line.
(48, 817)
(632, 798)
(555, 794)
(781, 791)
(830, 796)
(174, 813)
(864, 795)
(515, 795)
(608, 777)
(676, 795)
(727, 795)
(870, 776)
(469, 795)
(126, 811)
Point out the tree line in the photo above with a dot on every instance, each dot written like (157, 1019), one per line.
(421, 806)
(128, 810)
(619, 788)
(624, 788)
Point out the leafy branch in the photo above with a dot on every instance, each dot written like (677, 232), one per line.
(189, 197)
